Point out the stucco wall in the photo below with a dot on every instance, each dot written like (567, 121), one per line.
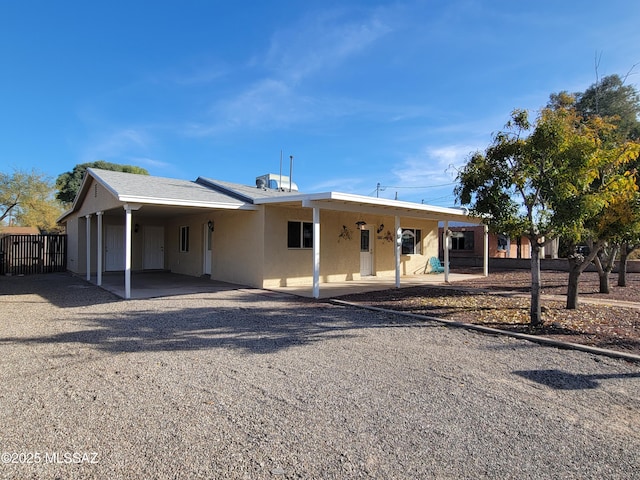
(238, 248)
(73, 258)
(97, 199)
(192, 261)
(339, 256)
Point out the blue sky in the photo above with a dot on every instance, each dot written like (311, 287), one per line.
(359, 92)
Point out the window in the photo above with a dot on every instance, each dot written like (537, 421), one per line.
(462, 241)
(411, 241)
(365, 241)
(184, 239)
(300, 235)
(503, 242)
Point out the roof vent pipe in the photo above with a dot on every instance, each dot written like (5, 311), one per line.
(280, 184)
(290, 171)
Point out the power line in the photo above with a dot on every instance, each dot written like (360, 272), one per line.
(381, 187)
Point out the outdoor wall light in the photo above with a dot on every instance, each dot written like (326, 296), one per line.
(210, 225)
(360, 224)
(136, 227)
(380, 228)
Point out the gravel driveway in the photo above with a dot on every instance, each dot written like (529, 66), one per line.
(250, 384)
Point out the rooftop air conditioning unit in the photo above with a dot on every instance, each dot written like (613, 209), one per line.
(276, 181)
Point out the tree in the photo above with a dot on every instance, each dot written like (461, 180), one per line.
(592, 189)
(625, 250)
(28, 197)
(619, 104)
(505, 185)
(610, 98)
(540, 181)
(69, 183)
(593, 194)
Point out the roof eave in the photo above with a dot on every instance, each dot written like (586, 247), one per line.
(82, 191)
(443, 212)
(185, 203)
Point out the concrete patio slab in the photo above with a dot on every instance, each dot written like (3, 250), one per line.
(164, 284)
(161, 284)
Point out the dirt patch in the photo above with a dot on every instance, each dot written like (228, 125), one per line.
(502, 301)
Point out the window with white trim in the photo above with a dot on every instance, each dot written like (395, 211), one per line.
(300, 235)
(184, 239)
(462, 241)
(411, 241)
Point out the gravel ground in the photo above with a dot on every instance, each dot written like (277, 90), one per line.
(609, 321)
(248, 384)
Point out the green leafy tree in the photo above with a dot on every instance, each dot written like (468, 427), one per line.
(619, 104)
(28, 197)
(540, 181)
(69, 183)
(610, 98)
(504, 185)
(593, 202)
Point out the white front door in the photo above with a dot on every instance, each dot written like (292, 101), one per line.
(206, 258)
(366, 253)
(153, 256)
(114, 248)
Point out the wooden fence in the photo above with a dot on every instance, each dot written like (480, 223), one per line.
(31, 254)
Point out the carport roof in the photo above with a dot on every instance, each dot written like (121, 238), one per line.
(129, 187)
(363, 204)
(151, 190)
(341, 201)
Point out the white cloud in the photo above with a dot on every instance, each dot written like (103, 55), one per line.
(432, 166)
(322, 41)
(341, 184)
(116, 145)
(277, 99)
(149, 162)
(270, 103)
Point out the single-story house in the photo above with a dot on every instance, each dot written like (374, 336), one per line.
(265, 235)
(17, 230)
(468, 241)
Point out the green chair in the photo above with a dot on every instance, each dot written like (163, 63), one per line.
(436, 266)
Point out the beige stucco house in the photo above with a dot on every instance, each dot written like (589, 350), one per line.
(251, 235)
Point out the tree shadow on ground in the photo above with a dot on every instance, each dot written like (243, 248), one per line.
(250, 326)
(559, 380)
(63, 290)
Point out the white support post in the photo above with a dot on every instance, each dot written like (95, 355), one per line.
(446, 241)
(398, 244)
(99, 249)
(316, 252)
(127, 253)
(88, 230)
(485, 265)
